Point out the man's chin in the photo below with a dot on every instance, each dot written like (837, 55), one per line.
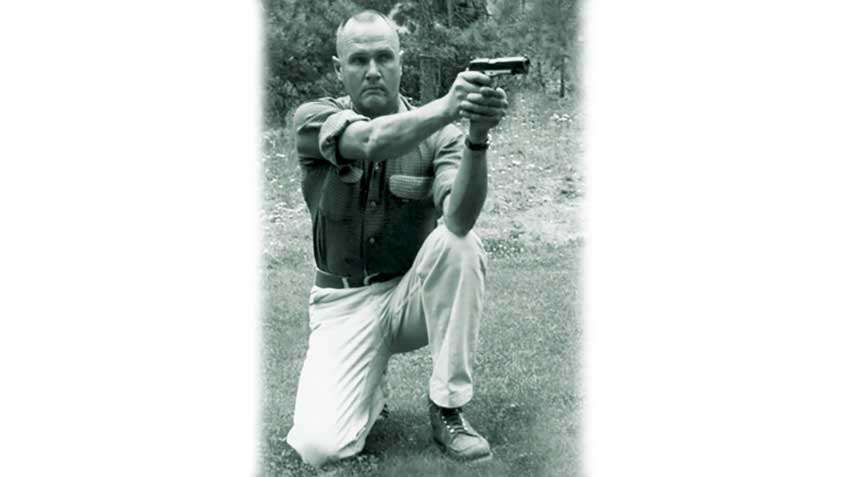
(374, 103)
(373, 98)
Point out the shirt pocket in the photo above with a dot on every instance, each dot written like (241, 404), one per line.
(414, 163)
(407, 188)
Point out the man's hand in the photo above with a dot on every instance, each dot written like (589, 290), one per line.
(484, 110)
(465, 84)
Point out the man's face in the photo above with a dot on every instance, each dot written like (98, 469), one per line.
(369, 66)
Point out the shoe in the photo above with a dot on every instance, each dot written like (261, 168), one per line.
(456, 437)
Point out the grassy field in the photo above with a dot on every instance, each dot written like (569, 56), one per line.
(527, 393)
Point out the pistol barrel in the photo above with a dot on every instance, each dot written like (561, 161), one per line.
(511, 65)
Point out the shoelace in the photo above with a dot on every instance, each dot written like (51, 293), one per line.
(453, 420)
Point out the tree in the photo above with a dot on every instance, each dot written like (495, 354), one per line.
(299, 49)
(438, 37)
(556, 35)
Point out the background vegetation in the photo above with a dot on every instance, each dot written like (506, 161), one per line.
(439, 37)
(527, 400)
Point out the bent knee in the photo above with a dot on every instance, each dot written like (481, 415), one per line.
(468, 244)
(316, 449)
(461, 250)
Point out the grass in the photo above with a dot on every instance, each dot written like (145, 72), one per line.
(527, 390)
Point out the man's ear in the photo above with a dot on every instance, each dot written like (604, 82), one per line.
(337, 65)
(400, 57)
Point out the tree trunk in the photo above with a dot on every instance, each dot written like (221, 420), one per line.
(428, 81)
(449, 5)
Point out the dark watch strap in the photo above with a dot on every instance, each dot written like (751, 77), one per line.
(476, 147)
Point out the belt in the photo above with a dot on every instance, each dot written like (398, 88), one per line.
(328, 280)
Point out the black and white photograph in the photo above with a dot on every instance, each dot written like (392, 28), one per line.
(423, 191)
(423, 238)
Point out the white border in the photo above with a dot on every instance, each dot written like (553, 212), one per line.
(716, 245)
(129, 276)
(715, 262)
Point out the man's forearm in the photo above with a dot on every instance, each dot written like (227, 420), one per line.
(393, 135)
(464, 203)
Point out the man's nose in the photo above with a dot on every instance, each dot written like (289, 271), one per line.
(372, 72)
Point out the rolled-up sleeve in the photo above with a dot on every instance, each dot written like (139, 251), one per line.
(332, 129)
(449, 144)
(318, 125)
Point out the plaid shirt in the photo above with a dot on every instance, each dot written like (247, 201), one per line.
(370, 217)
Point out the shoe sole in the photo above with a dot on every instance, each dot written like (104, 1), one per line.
(476, 460)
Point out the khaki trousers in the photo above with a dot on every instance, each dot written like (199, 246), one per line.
(354, 331)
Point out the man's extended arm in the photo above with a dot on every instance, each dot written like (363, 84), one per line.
(394, 135)
(468, 193)
(465, 201)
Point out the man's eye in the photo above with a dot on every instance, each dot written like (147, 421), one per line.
(358, 60)
(385, 58)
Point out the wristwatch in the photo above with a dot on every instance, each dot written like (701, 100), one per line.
(476, 147)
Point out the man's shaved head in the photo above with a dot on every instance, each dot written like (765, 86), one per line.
(365, 16)
(369, 62)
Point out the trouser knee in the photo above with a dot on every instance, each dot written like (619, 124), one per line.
(460, 251)
(316, 449)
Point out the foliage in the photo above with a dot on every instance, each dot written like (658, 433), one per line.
(299, 49)
(300, 42)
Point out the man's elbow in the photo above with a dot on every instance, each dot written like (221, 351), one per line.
(361, 141)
